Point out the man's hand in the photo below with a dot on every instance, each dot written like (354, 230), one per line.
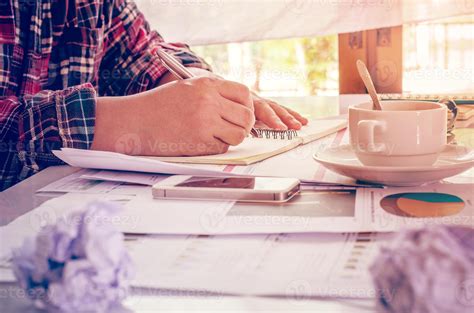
(272, 115)
(197, 116)
(268, 113)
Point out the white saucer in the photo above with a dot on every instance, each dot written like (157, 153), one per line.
(342, 160)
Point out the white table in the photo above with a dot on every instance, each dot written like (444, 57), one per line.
(21, 198)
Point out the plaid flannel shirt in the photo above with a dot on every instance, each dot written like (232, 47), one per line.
(56, 56)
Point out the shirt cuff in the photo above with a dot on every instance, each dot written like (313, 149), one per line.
(75, 109)
(55, 119)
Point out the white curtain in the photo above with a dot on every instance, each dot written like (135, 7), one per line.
(221, 21)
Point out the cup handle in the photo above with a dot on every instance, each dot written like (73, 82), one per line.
(365, 132)
(451, 105)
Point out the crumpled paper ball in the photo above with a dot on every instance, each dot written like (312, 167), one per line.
(79, 264)
(426, 271)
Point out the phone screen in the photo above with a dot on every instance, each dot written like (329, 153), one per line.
(221, 182)
(244, 183)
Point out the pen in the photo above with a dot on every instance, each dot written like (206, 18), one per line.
(181, 72)
(172, 65)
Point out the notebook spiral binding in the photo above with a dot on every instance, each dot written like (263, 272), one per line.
(276, 134)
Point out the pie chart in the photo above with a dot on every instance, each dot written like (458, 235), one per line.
(422, 204)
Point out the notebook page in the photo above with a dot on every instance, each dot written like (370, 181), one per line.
(249, 151)
(253, 150)
(320, 128)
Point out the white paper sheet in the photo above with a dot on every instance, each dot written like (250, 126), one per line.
(95, 184)
(291, 265)
(328, 211)
(116, 161)
(312, 211)
(75, 183)
(323, 211)
(27, 225)
(125, 177)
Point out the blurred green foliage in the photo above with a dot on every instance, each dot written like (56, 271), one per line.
(320, 55)
(308, 60)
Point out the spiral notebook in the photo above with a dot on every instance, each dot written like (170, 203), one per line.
(271, 143)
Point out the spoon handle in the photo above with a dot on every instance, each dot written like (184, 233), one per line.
(365, 75)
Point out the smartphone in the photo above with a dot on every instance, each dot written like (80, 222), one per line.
(249, 189)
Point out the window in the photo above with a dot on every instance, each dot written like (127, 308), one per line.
(439, 56)
(288, 67)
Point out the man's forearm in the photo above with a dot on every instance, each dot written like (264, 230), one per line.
(109, 119)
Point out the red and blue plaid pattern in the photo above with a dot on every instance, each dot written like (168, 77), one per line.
(56, 56)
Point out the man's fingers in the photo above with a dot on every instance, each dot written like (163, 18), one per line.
(285, 116)
(260, 124)
(235, 92)
(229, 133)
(267, 115)
(303, 120)
(237, 114)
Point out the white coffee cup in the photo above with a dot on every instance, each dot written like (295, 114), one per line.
(404, 133)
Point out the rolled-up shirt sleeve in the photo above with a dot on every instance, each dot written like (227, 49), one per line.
(129, 64)
(32, 126)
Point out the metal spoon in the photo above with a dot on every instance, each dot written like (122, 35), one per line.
(369, 84)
